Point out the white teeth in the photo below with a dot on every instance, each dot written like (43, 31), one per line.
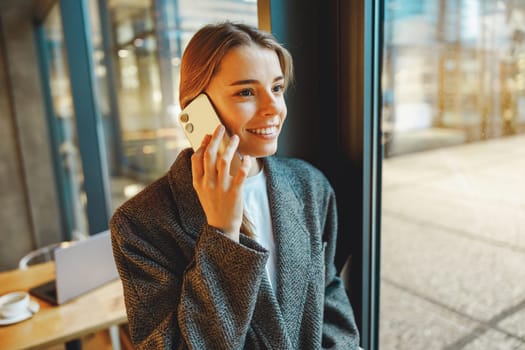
(264, 131)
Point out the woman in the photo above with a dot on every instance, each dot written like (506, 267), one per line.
(215, 258)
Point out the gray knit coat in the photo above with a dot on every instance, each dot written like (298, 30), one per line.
(188, 286)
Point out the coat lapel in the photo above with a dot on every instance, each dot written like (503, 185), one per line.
(292, 242)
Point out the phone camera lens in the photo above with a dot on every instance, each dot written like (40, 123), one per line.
(184, 118)
(189, 127)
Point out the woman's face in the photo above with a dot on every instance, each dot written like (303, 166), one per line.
(247, 91)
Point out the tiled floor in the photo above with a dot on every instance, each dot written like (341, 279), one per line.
(453, 248)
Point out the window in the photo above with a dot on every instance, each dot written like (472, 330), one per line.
(453, 238)
(147, 41)
(63, 125)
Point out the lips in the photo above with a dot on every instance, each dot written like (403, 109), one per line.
(270, 130)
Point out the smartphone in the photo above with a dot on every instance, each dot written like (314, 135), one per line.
(199, 119)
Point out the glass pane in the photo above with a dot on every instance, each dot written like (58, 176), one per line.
(453, 215)
(65, 123)
(102, 84)
(148, 38)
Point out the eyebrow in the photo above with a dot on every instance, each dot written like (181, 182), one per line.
(253, 81)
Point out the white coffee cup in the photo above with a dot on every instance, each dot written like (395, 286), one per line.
(14, 304)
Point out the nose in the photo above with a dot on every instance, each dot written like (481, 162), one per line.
(269, 103)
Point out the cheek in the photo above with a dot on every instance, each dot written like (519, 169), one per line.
(237, 116)
(283, 111)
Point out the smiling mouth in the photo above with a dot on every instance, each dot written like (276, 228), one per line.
(264, 131)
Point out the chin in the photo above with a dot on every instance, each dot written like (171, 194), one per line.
(262, 152)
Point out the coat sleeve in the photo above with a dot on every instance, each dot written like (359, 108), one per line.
(171, 304)
(339, 327)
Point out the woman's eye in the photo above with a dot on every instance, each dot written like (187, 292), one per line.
(245, 93)
(278, 88)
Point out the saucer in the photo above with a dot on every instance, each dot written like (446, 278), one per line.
(33, 309)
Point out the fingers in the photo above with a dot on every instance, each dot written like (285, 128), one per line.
(197, 168)
(214, 165)
(225, 159)
(205, 141)
(211, 152)
(243, 171)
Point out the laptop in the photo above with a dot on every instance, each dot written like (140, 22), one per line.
(80, 268)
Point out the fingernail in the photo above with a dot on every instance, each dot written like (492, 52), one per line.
(205, 139)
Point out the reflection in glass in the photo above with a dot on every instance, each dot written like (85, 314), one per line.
(453, 243)
(453, 72)
(64, 120)
(148, 38)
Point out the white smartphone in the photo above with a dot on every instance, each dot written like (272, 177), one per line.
(199, 119)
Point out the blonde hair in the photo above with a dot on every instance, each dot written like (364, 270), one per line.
(204, 53)
(206, 49)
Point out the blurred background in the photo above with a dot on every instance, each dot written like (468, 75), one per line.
(453, 72)
(453, 189)
(109, 69)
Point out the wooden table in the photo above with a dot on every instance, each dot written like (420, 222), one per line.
(89, 313)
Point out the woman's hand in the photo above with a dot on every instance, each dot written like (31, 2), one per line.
(220, 192)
